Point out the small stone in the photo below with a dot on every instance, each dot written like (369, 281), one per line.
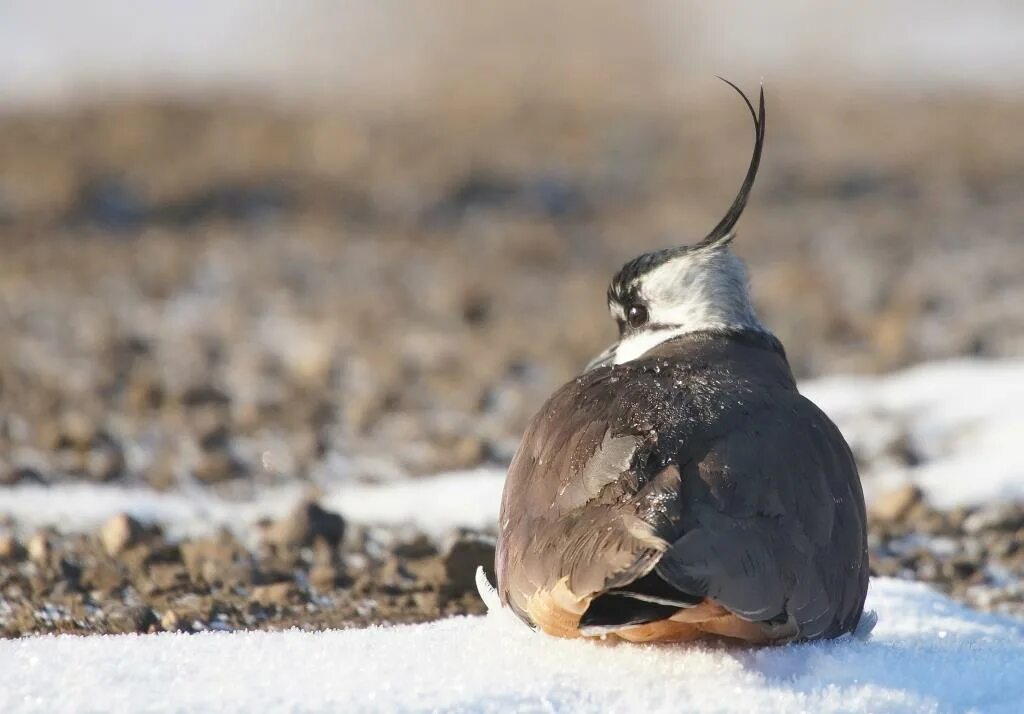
(39, 548)
(120, 533)
(167, 576)
(217, 466)
(959, 569)
(208, 409)
(204, 395)
(20, 475)
(466, 452)
(414, 572)
(103, 576)
(307, 355)
(1001, 548)
(75, 431)
(105, 460)
(897, 504)
(426, 602)
(126, 619)
(216, 440)
(364, 584)
(886, 567)
(275, 594)
(929, 521)
(957, 516)
(927, 567)
(419, 547)
(10, 548)
(170, 621)
(462, 559)
(902, 449)
(217, 559)
(305, 525)
(144, 395)
(160, 475)
(997, 516)
(323, 577)
(137, 555)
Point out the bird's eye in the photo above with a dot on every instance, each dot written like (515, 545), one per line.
(636, 315)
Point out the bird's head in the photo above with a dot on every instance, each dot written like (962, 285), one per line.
(666, 293)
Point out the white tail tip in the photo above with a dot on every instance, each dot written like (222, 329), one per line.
(867, 623)
(487, 592)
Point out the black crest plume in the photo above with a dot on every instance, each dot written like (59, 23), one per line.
(725, 226)
(623, 283)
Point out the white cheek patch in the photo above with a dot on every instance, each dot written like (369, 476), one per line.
(682, 292)
(705, 290)
(639, 344)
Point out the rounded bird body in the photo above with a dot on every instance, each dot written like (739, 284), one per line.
(681, 486)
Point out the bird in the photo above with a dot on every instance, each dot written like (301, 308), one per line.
(681, 487)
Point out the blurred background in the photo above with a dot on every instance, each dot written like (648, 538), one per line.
(259, 254)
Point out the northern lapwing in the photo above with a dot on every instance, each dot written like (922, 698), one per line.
(681, 486)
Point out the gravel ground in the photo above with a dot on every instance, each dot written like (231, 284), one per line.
(308, 571)
(305, 572)
(232, 295)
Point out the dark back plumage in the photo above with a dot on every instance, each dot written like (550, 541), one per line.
(696, 473)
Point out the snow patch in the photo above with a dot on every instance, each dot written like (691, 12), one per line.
(961, 420)
(926, 654)
(434, 504)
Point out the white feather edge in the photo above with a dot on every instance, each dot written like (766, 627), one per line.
(867, 623)
(495, 610)
(487, 592)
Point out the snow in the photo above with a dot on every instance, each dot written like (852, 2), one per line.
(961, 418)
(926, 654)
(434, 504)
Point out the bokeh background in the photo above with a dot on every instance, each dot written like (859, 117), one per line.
(249, 244)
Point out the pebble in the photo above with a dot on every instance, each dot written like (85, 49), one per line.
(10, 548)
(119, 533)
(997, 516)
(465, 554)
(216, 559)
(895, 505)
(306, 524)
(39, 548)
(275, 594)
(216, 466)
(323, 577)
(170, 621)
(20, 475)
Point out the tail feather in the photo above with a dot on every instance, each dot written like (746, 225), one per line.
(647, 599)
(612, 611)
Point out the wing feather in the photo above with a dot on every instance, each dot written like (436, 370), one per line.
(774, 530)
(702, 465)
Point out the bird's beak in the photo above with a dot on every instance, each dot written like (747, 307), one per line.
(603, 359)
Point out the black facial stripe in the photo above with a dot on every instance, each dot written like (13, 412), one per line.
(649, 327)
(624, 288)
(624, 295)
(658, 327)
